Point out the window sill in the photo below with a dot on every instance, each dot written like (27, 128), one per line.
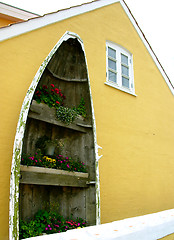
(120, 88)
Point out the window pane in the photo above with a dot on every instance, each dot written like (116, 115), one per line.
(112, 77)
(125, 82)
(125, 70)
(112, 64)
(124, 59)
(111, 53)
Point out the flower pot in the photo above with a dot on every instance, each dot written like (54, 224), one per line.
(50, 148)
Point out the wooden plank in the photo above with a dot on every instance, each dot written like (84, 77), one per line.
(53, 177)
(44, 113)
(52, 171)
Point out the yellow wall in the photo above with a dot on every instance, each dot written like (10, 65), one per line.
(169, 237)
(136, 133)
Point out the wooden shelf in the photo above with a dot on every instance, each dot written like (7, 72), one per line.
(52, 177)
(44, 113)
(67, 79)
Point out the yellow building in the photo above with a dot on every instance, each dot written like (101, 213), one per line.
(132, 108)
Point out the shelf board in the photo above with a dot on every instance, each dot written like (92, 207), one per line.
(44, 113)
(52, 177)
(67, 79)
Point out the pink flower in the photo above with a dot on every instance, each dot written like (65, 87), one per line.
(67, 165)
(46, 228)
(50, 228)
(48, 225)
(66, 158)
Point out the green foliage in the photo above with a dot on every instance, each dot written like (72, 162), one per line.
(68, 115)
(43, 141)
(65, 114)
(81, 109)
(51, 96)
(56, 162)
(48, 222)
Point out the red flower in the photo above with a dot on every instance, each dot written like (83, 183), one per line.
(52, 90)
(45, 87)
(56, 90)
(52, 85)
(57, 102)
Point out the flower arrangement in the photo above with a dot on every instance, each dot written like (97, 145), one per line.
(47, 146)
(47, 222)
(54, 97)
(57, 162)
(51, 96)
(68, 115)
(65, 114)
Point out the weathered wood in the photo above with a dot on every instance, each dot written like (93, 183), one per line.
(75, 195)
(69, 61)
(65, 79)
(44, 113)
(46, 176)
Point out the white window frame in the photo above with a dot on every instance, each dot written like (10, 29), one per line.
(118, 84)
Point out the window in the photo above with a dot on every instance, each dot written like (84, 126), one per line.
(119, 68)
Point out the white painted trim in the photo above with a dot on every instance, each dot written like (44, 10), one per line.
(21, 28)
(148, 227)
(14, 12)
(120, 88)
(36, 23)
(120, 50)
(147, 45)
(17, 148)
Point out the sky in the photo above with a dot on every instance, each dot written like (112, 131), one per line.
(155, 18)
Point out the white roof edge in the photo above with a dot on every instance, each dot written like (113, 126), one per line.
(147, 45)
(14, 12)
(39, 22)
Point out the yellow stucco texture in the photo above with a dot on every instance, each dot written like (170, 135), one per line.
(169, 237)
(136, 133)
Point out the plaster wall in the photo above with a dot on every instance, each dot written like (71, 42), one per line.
(136, 133)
